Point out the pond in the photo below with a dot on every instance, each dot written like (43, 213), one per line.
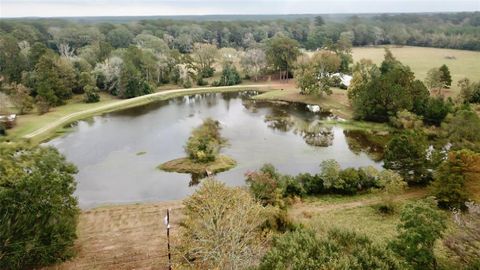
(117, 153)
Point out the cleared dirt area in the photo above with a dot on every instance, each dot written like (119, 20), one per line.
(134, 236)
(125, 237)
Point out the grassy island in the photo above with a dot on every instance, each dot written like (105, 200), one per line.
(186, 165)
(202, 148)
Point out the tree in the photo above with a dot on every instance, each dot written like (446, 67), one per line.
(132, 84)
(12, 62)
(339, 249)
(421, 225)
(469, 91)
(120, 37)
(453, 178)
(313, 75)
(434, 80)
(54, 78)
(108, 74)
(407, 154)
(205, 142)
(39, 210)
(230, 76)
(204, 56)
(265, 186)
(445, 77)
(436, 109)
(379, 93)
(254, 62)
(462, 129)
(222, 227)
(20, 97)
(281, 54)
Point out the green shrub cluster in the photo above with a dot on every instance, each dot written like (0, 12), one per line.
(230, 76)
(271, 187)
(205, 142)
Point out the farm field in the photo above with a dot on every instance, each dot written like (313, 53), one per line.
(421, 59)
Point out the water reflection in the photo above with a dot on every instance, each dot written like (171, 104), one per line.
(286, 135)
(372, 144)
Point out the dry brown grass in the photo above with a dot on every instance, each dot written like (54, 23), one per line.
(125, 237)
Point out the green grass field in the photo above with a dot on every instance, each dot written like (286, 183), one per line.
(420, 60)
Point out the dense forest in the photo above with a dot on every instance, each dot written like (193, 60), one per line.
(46, 61)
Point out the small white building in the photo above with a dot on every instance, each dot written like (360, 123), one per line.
(344, 78)
(8, 120)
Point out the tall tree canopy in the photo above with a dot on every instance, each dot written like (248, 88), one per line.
(38, 209)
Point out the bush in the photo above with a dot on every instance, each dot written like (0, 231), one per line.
(436, 110)
(201, 81)
(265, 186)
(91, 94)
(339, 249)
(39, 211)
(207, 72)
(230, 76)
(312, 184)
(205, 142)
(421, 225)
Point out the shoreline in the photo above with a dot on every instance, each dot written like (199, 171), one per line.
(48, 131)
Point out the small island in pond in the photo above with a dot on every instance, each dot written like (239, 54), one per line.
(202, 148)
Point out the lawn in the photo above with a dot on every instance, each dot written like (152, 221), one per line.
(337, 102)
(420, 59)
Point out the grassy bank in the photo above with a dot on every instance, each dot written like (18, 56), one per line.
(421, 59)
(337, 102)
(37, 128)
(185, 165)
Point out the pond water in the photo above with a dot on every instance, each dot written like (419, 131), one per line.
(117, 153)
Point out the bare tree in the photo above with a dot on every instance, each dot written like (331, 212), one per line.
(254, 62)
(221, 229)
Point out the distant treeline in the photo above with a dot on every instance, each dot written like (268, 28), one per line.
(442, 30)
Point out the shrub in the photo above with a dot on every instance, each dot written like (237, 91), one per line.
(265, 186)
(39, 211)
(349, 182)
(91, 94)
(421, 225)
(339, 249)
(230, 76)
(312, 184)
(393, 185)
(436, 110)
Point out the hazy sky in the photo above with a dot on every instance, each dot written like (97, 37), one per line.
(67, 8)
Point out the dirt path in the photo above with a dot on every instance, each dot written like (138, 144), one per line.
(132, 101)
(302, 209)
